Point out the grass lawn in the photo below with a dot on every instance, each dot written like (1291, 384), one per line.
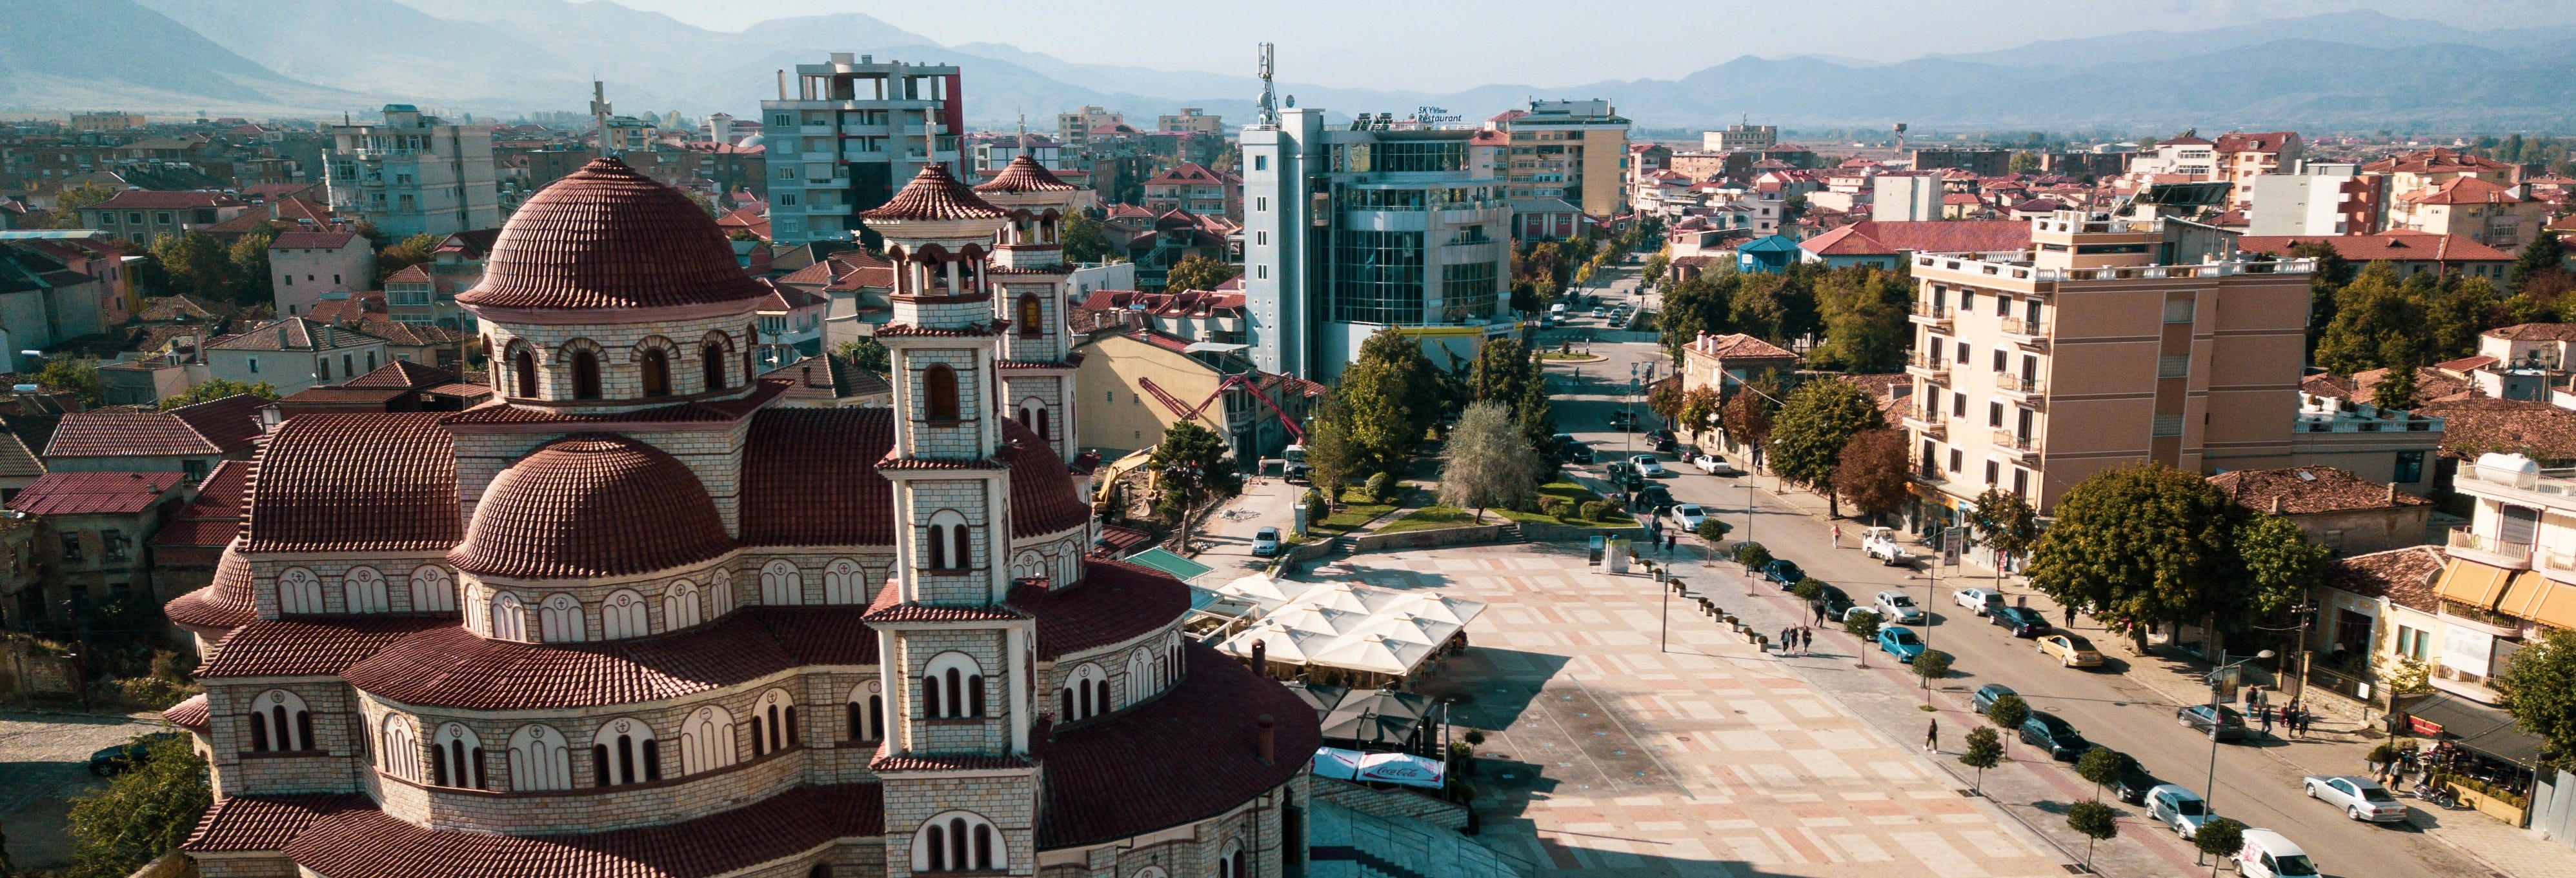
(1358, 507)
(1577, 495)
(1557, 355)
(1430, 518)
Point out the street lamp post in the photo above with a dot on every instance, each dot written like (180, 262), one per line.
(2209, 784)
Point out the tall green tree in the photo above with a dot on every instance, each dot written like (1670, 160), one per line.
(2280, 566)
(2539, 685)
(1395, 396)
(2096, 821)
(2374, 321)
(1087, 240)
(1199, 273)
(1864, 314)
(1777, 308)
(2332, 272)
(1488, 462)
(412, 251)
(78, 376)
(219, 389)
(2139, 545)
(2455, 311)
(1333, 457)
(2005, 522)
(250, 271)
(67, 203)
(2543, 256)
(1698, 305)
(1747, 417)
(141, 815)
(1816, 421)
(196, 264)
(1984, 751)
(1191, 468)
(1506, 374)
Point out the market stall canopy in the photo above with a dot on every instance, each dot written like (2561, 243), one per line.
(1373, 716)
(1352, 626)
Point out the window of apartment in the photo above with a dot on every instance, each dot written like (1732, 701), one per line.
(787, 172)
(2021, 482)
(1956, 460)
(1968, 300)
(113, 545)
(2410, 468)
(1958, 405)
(2003, 307)
(1261, 239)
(1261, 272)
(2413, 643)
(2173, 367)
(1994, 473)
(71, 547)
(1994, 414)
(162, 217)
(2003, 360)
(2179, 310)
(195, 470)
(134, 216)
(1261, 163)
(2168, 425)
(254, 365)
(1963, 352)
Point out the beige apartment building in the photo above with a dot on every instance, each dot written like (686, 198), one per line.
(1574, 150)
(2111, 342)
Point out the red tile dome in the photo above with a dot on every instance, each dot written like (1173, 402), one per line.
(1024, 174)
(591, 505)
(607, 237)
(932, 195)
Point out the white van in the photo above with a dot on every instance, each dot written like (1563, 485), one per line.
(1556, 310)
(2269, 855)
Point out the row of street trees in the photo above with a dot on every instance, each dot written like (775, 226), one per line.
(1859, 310)
(2148, 544)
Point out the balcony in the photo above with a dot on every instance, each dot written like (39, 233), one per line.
(1932, 424)
(2031, 392)
(1928, 367)
(2554, 564)
(2492, 551)
(2027, 332)
(1928, 314)
(2016, 446)
(2553, 489)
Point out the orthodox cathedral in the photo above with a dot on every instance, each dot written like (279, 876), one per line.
(636, 618)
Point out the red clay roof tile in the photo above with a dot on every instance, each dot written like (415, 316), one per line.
(355, 482)
(264, 823)
(1024, 174)
(362, 842)
(448, 666)
(226, 604)
(95, 493)
(590, 505)
(215, 518)
(1189, 755)
(1116, 602)
(609, 237)
(218, 427)
(311, 646)
(933, 195)
(190, 714)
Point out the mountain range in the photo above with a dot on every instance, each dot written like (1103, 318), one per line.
(310, 58)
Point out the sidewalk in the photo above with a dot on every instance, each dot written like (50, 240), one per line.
(2335, 745)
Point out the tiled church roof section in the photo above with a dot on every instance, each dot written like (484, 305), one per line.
(1024, 174)
(933, 195)
(608, 237)
(454, 668)
(190, 714)
(264, 823)
(1043, 499)
(311, 646)
(809, 479)
(687, 412)
(1187, 756)
(372, 844)
(1116, 602)
(218, 427)
(355, 483)
(404, 375)
(226, 604)
(588, 505)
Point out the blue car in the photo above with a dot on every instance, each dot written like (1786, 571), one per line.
(1900, 642)
(1783, 572)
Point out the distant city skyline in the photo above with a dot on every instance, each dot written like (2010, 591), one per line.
(1447, 45)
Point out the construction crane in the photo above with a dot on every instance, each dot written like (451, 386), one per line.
(1191, 413)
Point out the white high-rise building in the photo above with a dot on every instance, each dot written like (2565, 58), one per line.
(847, 133)
(414, 174)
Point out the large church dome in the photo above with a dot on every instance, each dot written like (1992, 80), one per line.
(591, 505)
(608, 237)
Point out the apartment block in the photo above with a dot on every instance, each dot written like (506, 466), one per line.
(414, 174)
(1740, 138)
(1191, 120)
(1574, 150)
(846, 133)
(2314, 199)
(1074, 128)
(2110, 342)
(2511, 576)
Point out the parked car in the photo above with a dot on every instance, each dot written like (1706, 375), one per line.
(1687, 516)
(1987, 695)
(1714, 465)
(1783, 572)
(1623, 419)
(1577, 453)
(2199, 717)
(2180, 810)
(1652, 499)
(1648, 466)
(1265, 542)
(1900, 642)
(2060, 739)
(1880, 543)
(2071, 650)
(1896, 607)
(1836, 602)
(2359, 798)
(2022, 622)
(1978, 600)
(1598, 311)
(2134, 781)
(2268, 854)
(1669, 446)
(122, 757)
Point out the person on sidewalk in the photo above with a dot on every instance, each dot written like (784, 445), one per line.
(2267, 720)
(1932, 737)
(2070, 615)
(1788, 640)
(1806, 639)
(1838, 535)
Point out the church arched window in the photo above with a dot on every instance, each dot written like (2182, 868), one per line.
(299, 591)
(867, 711)
(622, 615)
(773, 723)
(624, 751)
(959, 841)
(712, 360)
(539, 759)
(585, 374)
(280, 721)
(523, 368)
(509, 618)
(723, 587)
(781, 585)
(559, 620)
(952, 687)
(399, 750)
(939, 393)
(364, 590)
(706, 740)
(657, 372)
(680, 606)
(1085, 694)
(947, 541)
(1140, 675)
(432, 590)
(843, 583)
(456, 758)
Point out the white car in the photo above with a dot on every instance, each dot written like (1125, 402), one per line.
(1687, 516)
(2359, 798)
(1894, 606)
(1265, 542)
(2179, 809)
(1648, 466)
(1714, 465)
(1977, 600)
(1880, 543)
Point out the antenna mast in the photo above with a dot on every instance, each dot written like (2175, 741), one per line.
(1269, 97)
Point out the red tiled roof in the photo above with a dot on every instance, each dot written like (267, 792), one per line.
(2254, 141)
(2534, 332)
(1189, 755)
(294, 334)
(1024, 174)
(214, 519)
(2481, 425)
(403, 375)
(311, 646)
(2301, 490)
(145, 199)
(311, 240)
(1738, 346)
(451, 667)
(362, 842)
(218, 427)
(265, 823)
(2462, 190)
(2437, 160)
(190, 714)
(889, 606)
(1115, 602)
(355, 482)
(591, 505)
(884, 761)
(2404, 576)
(932, 195)
(710, 410)
(227, 604)
(94, 493)
(1929, 236)
(809, 479)
(607, 237)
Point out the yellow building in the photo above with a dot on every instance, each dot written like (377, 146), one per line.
(1134, 384)
(1574, 150)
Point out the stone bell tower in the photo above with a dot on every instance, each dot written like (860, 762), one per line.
(956, 659)
(1029, 280)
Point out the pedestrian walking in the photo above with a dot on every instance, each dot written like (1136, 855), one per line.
(1932, 737)
(1838, 535)
(2070, 615)
(1788, 640)
(2267, 720)
(2305, 720)
(1806, 639)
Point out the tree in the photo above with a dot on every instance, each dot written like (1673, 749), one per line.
(2096, 821)
(1818, 419)
(2542, 257)
(2539, 685)
(1199, 273)
(1699, 410)
(2007, 714)
(2139, 544)
(2332, 272)
(141, 815)
(1712, 531)
(1333, 457)
(2374, 320)
(2219, 839)
(2004, 522)
(1490, 463)
(67, 203)
(2102, 766)
(412, 251)
(1864, 625)
(1317, 509)
(2024, 163)
(2396, 390)
(1086, 240)
(1931, 665)
(1191, 468)
(1506, 373)
(1874, 473)
(2280, 564)
(219, 389)
(1695, 306)
(1752, 556)
(194, 263)
(1777, 308)
(866, 352)
(250, 272)
(1863, 310)
(1747, 418)
(1984, 751)
(80, 377)
(1664, 398)
(1653, 271)
(1394, 395)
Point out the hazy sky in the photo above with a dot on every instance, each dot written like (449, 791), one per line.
(1440, 44)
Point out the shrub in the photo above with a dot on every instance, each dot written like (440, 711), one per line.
(1381, 487)
(1556, 507)
(2220, 838)
(1752, 556)
(1931, 665)
(1594, 510)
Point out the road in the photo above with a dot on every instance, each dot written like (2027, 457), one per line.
(2255, 782)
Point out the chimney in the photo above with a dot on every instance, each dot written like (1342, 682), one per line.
(2276, 504)
(1269, 737)
(1261, 659)
(2392, 493)
(809, 376)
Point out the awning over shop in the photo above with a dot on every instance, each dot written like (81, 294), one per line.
(1354, 627)
(2472, 583)
(2477, 727)
(2540, 599)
